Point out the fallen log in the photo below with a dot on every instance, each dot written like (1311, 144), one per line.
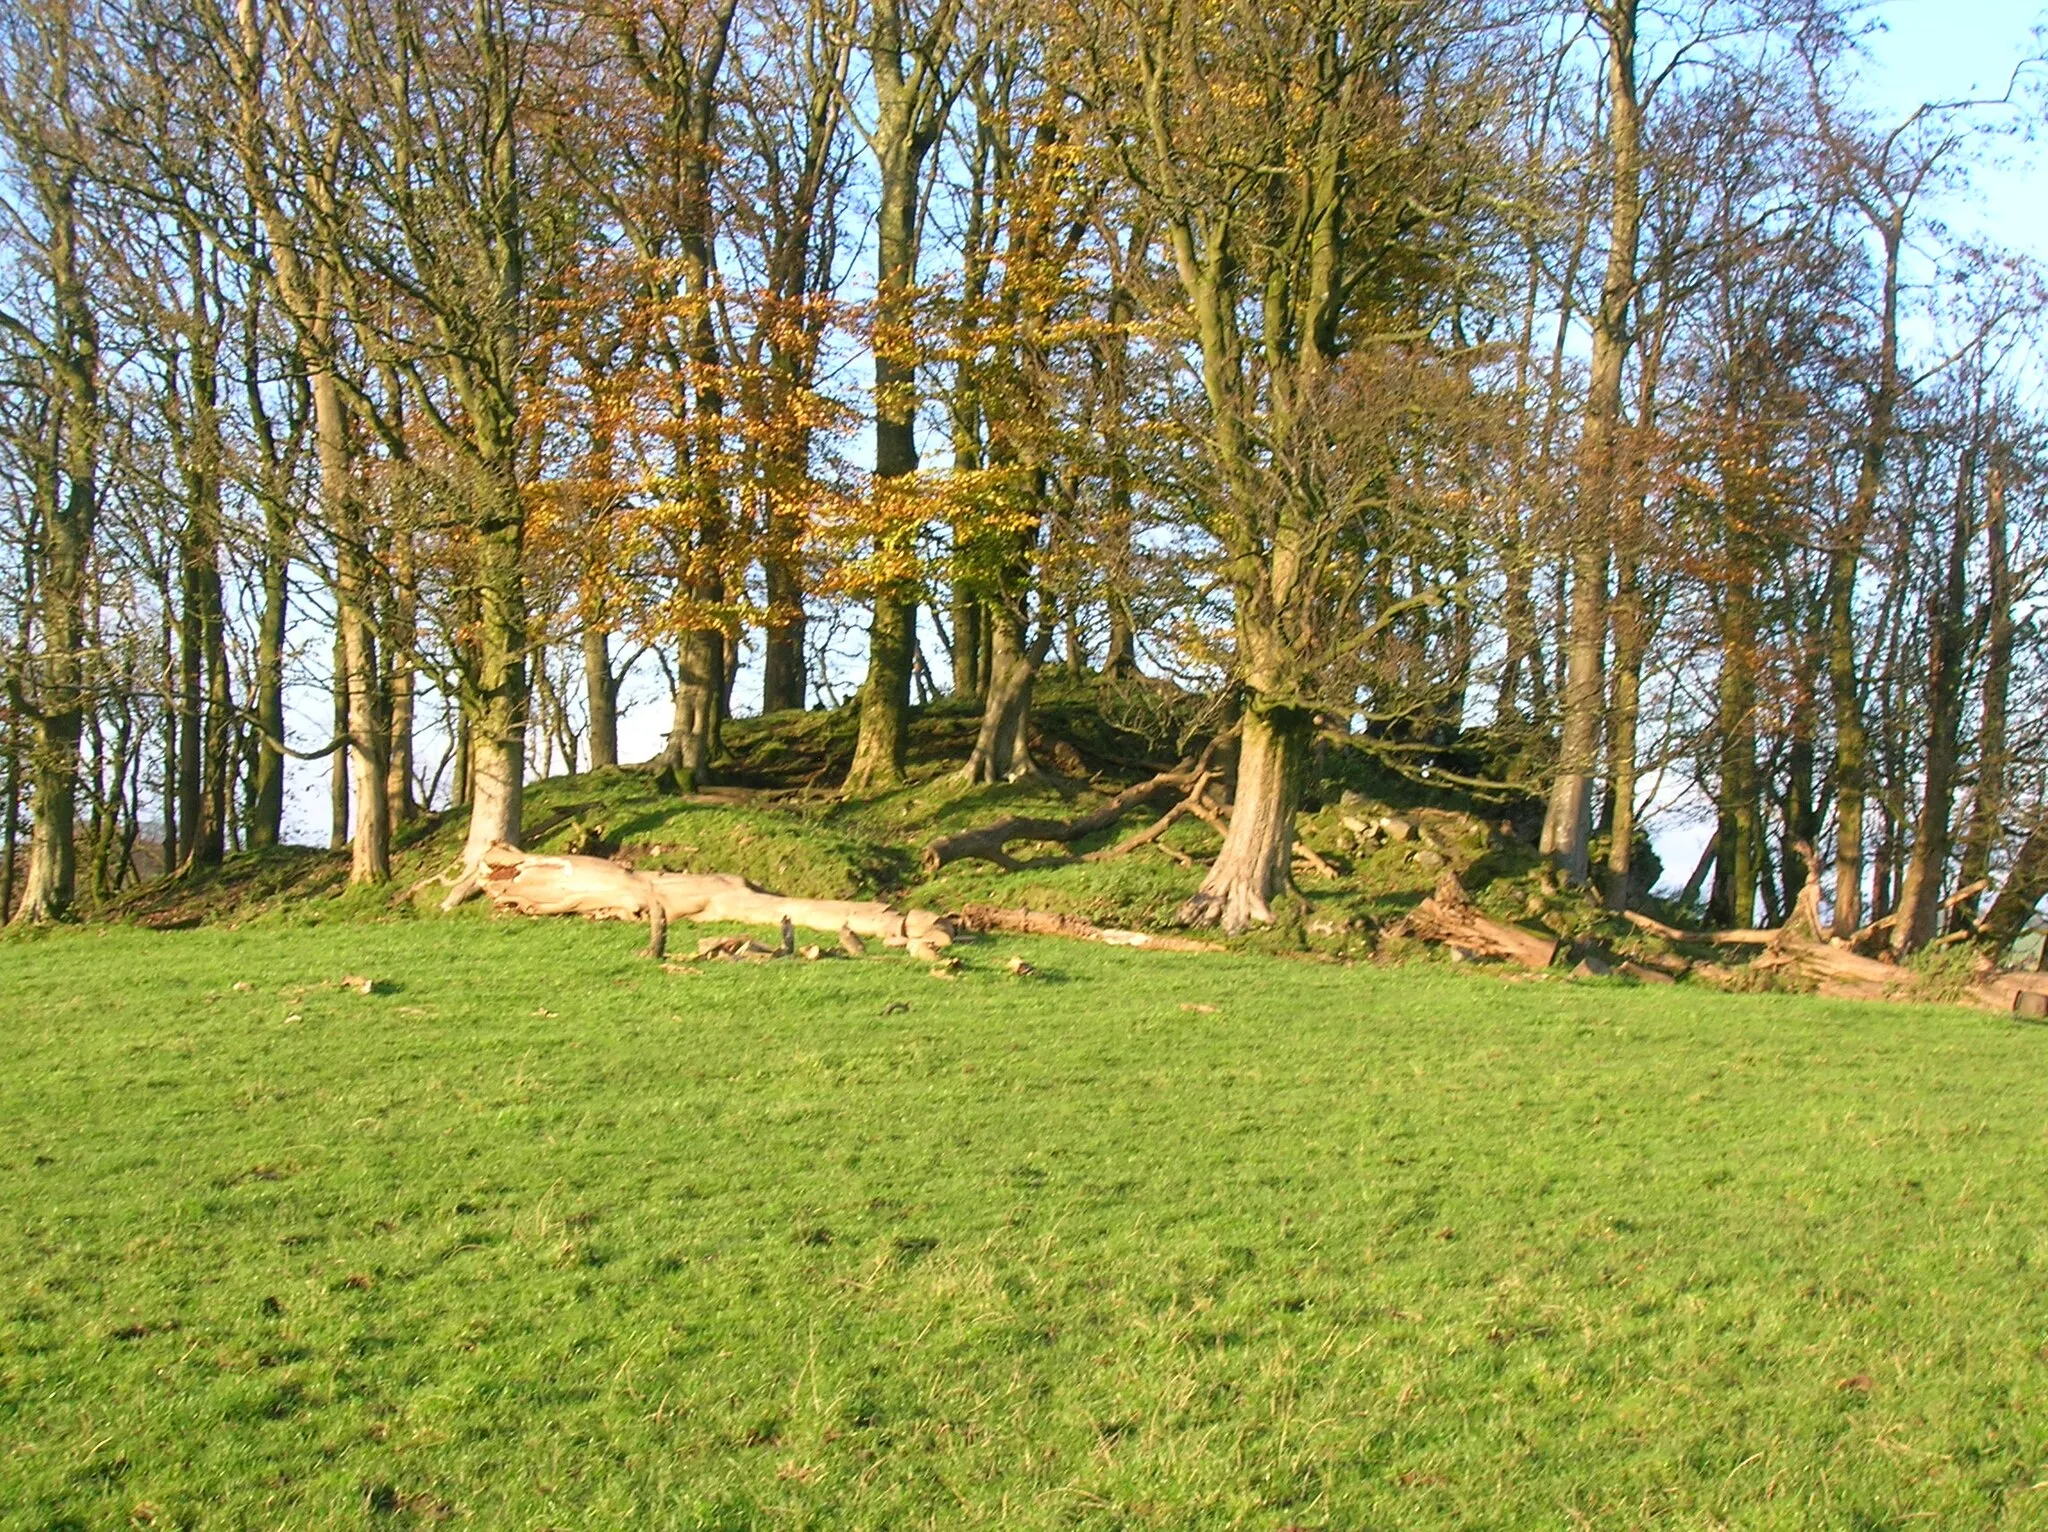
(1835, 971)
(573, 885)
(727, 897)
(1449, 918)
(1151, 833)
(1657, 927)
(531, 884)
(1022, 922)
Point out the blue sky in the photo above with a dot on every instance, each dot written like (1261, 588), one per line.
(1944, 50)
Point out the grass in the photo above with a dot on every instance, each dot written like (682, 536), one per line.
(540, 1236)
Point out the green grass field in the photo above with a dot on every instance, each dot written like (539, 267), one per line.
(541, 1236)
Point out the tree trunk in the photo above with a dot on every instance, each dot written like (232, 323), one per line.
(368, 723)
(1256, 863)
(2025, 887)
(337, 786)
(1987, 808)
(497, 744)
(693, 735)
(783, 679)
(1002, 752)
(266, 796)
(1568, 821)
(401, 681)
(904, 134)
(9, 826)
(1852, 742)
(1567, 826)
(883, 737)
(1920, 894)
(71, 512)
(601, 698)
(1631, 638)
(1118, 520)
(1733, 903)
(969, 615)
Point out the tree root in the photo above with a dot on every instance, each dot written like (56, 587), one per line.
(989, 843)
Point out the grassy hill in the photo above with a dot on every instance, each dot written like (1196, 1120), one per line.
(775, 817)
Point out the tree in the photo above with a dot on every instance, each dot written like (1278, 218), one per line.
(1293, 160)
(915, 82)
(55, 337)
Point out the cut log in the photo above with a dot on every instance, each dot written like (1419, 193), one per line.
(1449, 917)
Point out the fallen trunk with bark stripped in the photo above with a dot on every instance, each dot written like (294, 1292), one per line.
(528, 883)
(1022, 922)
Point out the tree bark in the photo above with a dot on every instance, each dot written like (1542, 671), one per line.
(401, 680)
(909, 111)
(497, 712)
(883, 736)
(70, 515)
(1256, 863)
(1567, 826)
(1002, 752)
(601, 698)
(1631, 641)
(337, 783)
(266, 793)
(1920, 892)
(1852, 740)
(700, 679)
(1733, 902)
(2025, 886)
(1987, 807)
(784, 682)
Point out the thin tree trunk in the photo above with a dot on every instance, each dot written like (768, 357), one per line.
(402, 687)
(1567, 827)
(8, 827)
(266, 798)
(1920, 892)
(1852, 741)
(1631, 640)
(337, 786)
(1987, 808)
(601, 698)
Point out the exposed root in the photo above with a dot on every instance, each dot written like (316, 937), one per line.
(989, 843)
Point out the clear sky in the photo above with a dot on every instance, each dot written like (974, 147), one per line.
(1946, 50)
